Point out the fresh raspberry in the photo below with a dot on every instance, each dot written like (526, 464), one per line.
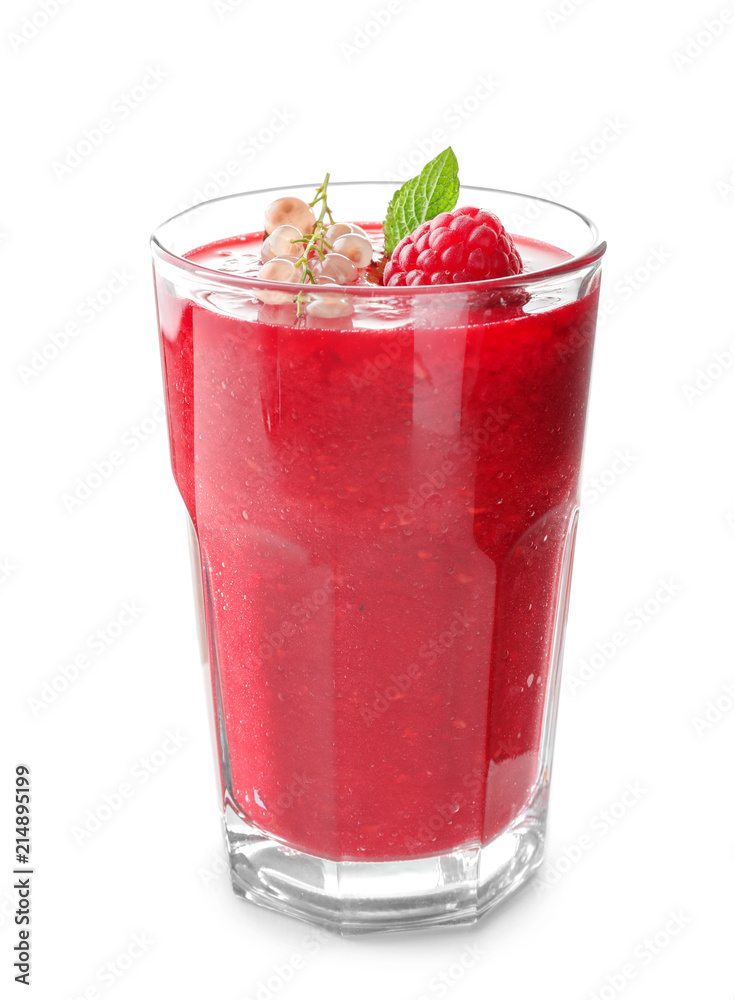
(467, 244)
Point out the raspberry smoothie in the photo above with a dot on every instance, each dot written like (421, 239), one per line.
(385, 513)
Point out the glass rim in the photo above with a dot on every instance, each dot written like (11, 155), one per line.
(594, 253)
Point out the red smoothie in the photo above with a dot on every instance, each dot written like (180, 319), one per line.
(382, 514)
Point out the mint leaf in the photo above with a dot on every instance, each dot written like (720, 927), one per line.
(434, 190)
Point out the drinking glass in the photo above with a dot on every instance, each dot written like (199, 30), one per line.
(383, 508)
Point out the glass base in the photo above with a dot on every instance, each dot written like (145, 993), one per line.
(356, 897)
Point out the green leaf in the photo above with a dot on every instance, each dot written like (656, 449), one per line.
(434, 190)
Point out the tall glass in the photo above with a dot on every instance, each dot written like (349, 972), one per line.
(383, 507)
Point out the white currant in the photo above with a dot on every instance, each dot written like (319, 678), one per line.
(357, 248)
(280, 242)
(289, 211)
(277, 269)
(337, 266)
(337, 230)
(329, 307)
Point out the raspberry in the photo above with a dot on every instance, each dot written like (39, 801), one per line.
(467, 244)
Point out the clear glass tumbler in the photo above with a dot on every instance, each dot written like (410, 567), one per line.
(383, 507)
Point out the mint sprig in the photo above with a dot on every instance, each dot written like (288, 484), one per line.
(434, 190)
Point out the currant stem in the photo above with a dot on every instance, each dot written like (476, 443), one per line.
(315, 241)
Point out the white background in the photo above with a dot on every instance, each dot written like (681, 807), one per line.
(660, 184)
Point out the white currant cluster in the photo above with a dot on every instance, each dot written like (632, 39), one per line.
(300, 248)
